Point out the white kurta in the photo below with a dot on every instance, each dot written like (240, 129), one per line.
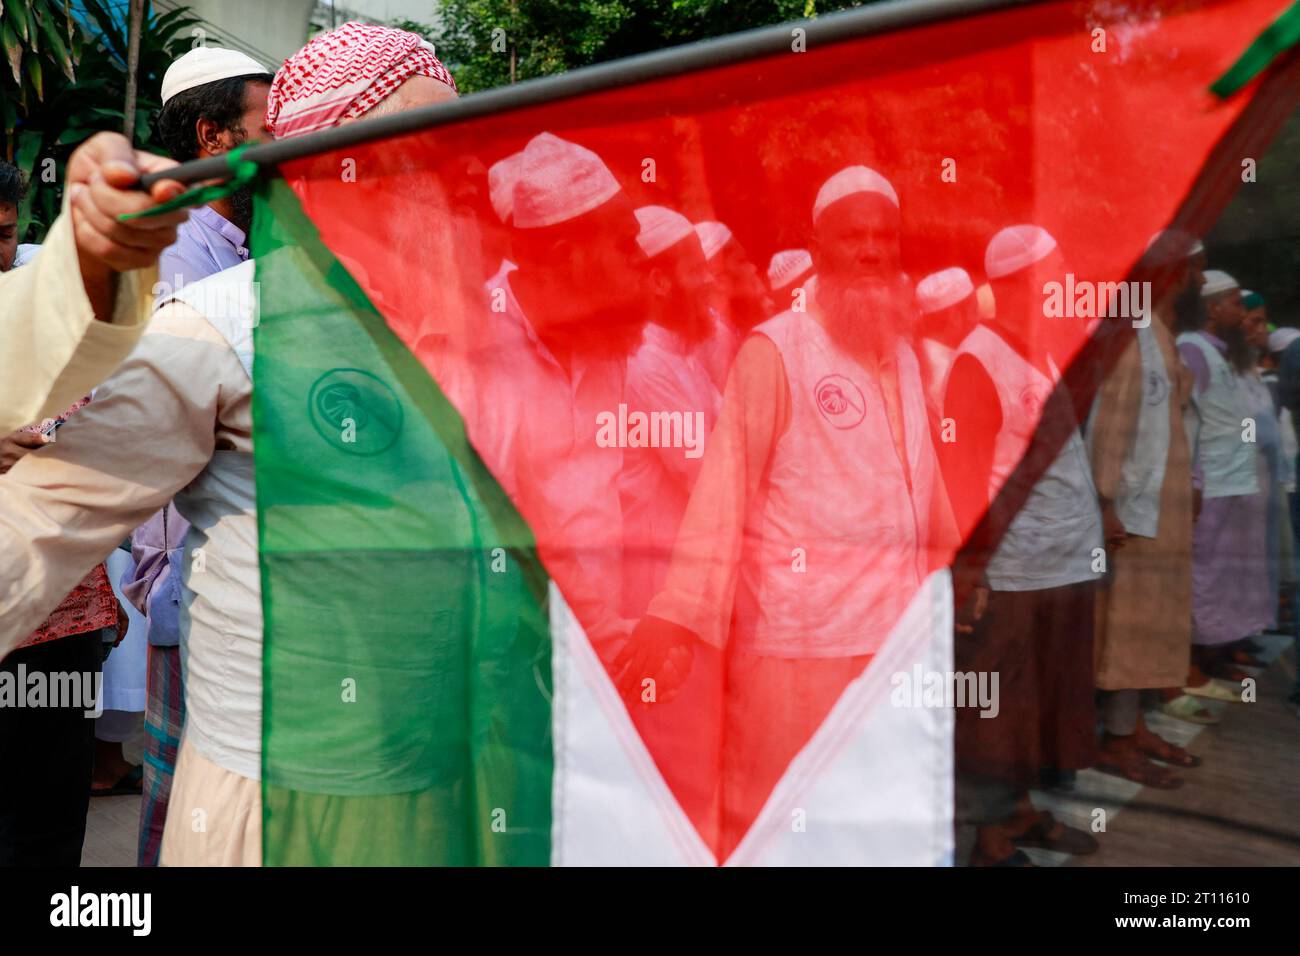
(535, 425)
(665, 375)
(1055, 536)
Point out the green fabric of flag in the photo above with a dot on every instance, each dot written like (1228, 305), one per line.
(407, 662)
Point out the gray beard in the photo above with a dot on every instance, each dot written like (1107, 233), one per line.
(866, 316)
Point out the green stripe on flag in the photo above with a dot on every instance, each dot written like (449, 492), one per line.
(1282, 34)
(407, 665)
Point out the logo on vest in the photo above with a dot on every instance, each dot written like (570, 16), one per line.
(1032, 399)
(355, 411)
(840, 401)
(1157, 389)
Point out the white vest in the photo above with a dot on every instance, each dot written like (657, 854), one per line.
(221, 618)
(228, 300)
(1052, 540)
(836, 546)
(1142, 473)
(939, 358)
(1215, 423)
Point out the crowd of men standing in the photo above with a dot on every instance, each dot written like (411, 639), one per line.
(1128, 572)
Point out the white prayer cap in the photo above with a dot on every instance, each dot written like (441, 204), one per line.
(661, 228)
(1217, 282)
(713, 236)
(1175, 242)
(788, 265)
(1016, 248)
(847, 182)
(559, 181)
(502, 176)
(206, 64)
(1279, 339)
(940, 290)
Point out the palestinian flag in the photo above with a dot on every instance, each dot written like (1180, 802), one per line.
(444, 577)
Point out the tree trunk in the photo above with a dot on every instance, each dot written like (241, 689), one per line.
(135, 15)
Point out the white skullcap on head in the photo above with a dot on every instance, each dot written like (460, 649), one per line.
(661, 228)
(849, 181)
(788, 265)
(713, 236)
(1016, 248)
(502, 176)
(1216, 282)
(1178, 242)
(940, 290)
(206, 64)
(1279, 339)
(559, 181)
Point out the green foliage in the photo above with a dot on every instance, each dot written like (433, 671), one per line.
(67, 91)
(489, 43)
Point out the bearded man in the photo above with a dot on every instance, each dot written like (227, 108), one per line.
(1004, 395)
(213, 101)
(740, 297)
(1230, 596)
(669, 374)
(822, 449)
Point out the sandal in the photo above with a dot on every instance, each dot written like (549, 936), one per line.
(1216, 689)
(1140, 771)
(1190, 709)
(130, 783)
(1158, 748)
(1068, 840)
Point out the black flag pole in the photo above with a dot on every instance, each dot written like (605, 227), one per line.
(661, 64)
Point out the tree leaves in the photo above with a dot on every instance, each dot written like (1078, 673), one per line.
(479, 39)
(13, 50)
(70, 83)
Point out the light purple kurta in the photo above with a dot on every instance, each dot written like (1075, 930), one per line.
(206, 243)
(1230, 574)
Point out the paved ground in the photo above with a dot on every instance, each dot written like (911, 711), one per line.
(113, 823)
(1241, 807)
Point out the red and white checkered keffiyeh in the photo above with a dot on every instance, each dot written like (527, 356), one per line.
(344, 73)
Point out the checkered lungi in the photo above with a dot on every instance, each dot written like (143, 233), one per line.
(164, 716)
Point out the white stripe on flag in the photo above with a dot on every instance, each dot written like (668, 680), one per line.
(874, 783)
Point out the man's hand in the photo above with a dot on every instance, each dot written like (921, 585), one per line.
(659, 651)
(969, 615)
(101, 175)
(16, 445)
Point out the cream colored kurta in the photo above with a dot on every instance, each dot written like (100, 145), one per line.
(152, 429)
(52, 349)
(167, 423)
(1144, 610)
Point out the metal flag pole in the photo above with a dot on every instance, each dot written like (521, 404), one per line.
(661, 64)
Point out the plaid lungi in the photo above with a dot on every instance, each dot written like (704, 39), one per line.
(163, 718)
